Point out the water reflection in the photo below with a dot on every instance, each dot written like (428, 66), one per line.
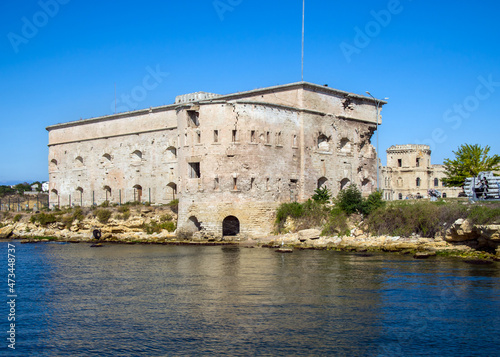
(174, 300)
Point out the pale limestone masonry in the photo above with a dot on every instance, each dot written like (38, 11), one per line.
(409, 174)
(229, 159)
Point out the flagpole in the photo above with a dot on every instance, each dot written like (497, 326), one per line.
(303, 18)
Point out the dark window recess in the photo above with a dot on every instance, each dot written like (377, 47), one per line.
(194, 170)
(194, 118)
(400, 162)
(216, 136)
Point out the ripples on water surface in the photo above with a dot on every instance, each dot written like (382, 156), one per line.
(123, 300)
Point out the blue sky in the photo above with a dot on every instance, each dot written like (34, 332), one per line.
(438, 62)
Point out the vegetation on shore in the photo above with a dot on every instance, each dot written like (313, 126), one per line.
(65, 218)
(398, 218)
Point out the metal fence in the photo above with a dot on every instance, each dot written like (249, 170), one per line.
(19, 203)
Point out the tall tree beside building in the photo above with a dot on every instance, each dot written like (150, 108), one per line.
(469, 161)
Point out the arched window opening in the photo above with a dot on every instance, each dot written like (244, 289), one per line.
(400, 196)
(344, 183)
(171, 153)
(137, 154)
(323, 142)
(444, 194)
(418, 181)
(79, 161)
(345, 145)
(53, 164)
(230, 226)
(107, 158)
(436, 182)
(322, 182)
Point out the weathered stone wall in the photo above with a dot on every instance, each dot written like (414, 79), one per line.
(129, 159)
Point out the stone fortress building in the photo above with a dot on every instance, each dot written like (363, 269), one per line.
(230, 160)
(410, 174)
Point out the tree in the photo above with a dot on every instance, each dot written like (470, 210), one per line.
(350, 200)
(321, 195)
(469, 161)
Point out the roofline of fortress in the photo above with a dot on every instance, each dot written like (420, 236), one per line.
(222, 98)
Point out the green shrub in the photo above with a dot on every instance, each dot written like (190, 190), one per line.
(104, 204)
(306, 215)
(123, 209)
(321, 195)
(373, 202)
(68, 221)
(165, 218)
(337, 223)
(421, 218)
(78, 214)
(155, 227)
(17, 217)
(43, 218)
(484, 214)
(350, 200)
(174, 205)
(103, 215)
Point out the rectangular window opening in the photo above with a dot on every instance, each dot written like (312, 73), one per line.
(216, 183)
(400, 162)
(235, 183)
(193, 118)
(198, 137)
(216, 136)
(252, 136)
(194, 170)
(234, 137)
(268, 137)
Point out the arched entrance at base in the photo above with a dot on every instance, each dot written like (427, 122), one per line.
(230, 226)
(193, 225)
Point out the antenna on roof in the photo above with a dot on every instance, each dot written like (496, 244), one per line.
(303, 18)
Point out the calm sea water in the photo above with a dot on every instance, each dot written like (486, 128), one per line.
(139, 300)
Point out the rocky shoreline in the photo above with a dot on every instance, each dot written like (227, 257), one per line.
(461, 239)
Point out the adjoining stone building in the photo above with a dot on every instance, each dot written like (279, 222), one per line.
(410, 174)
(229, 159)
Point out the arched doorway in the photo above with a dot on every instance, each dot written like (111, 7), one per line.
(137, 193)
(230, 226)
(171, 191)
(54, 198)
